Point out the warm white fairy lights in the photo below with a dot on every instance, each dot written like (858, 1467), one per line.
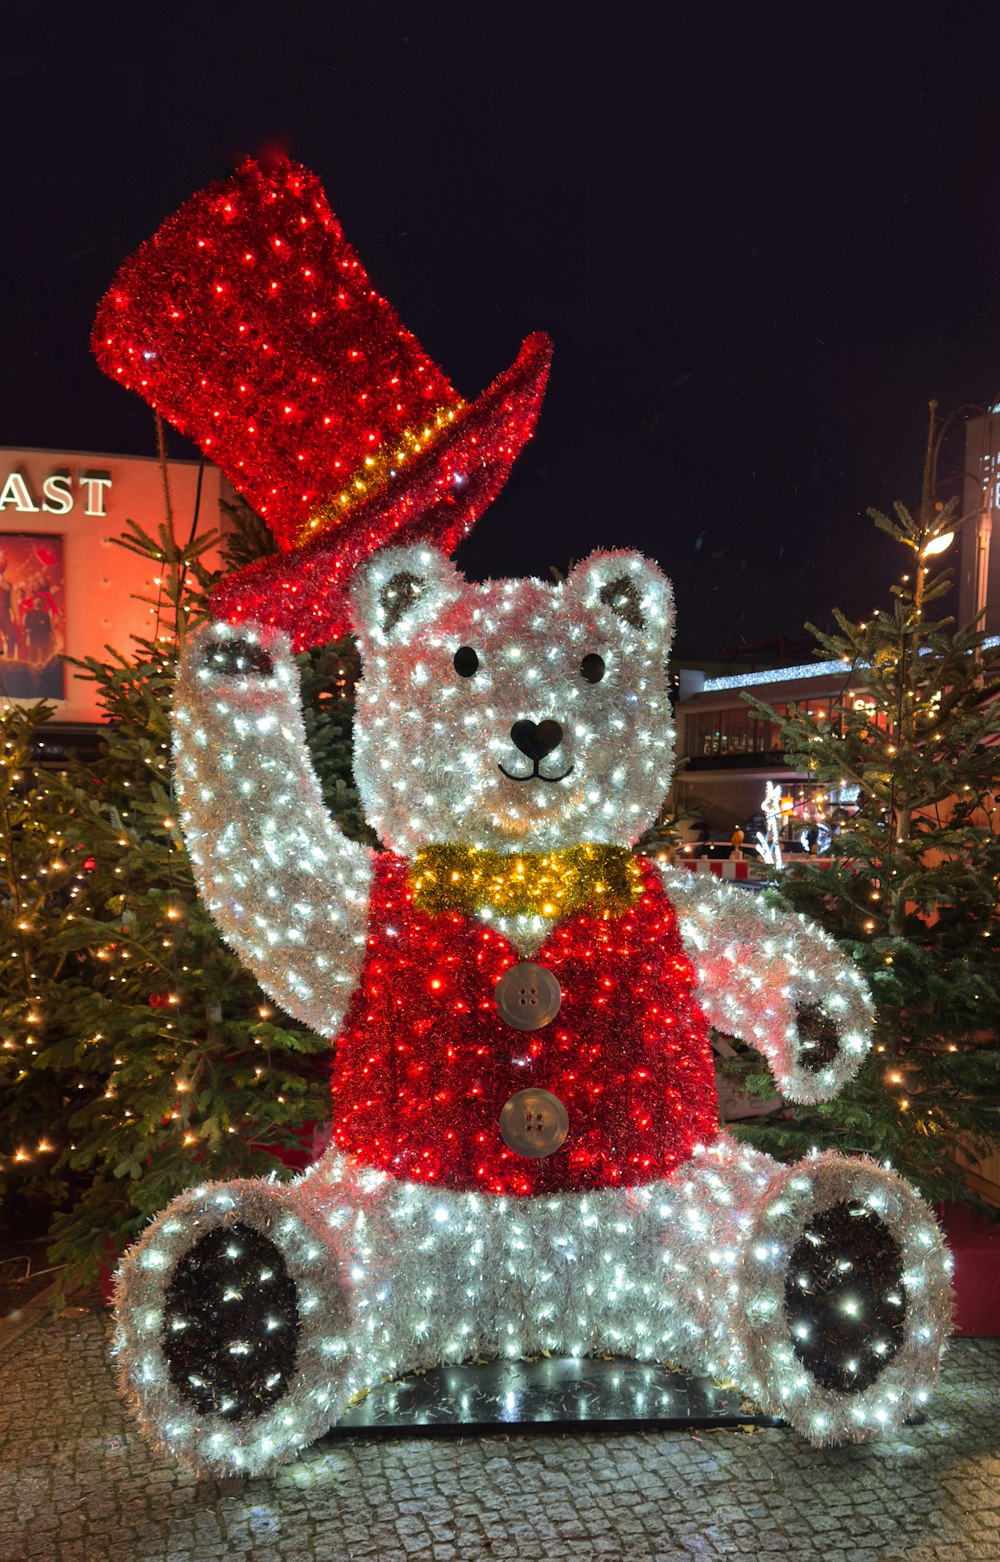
(467, 688)
(758, 968)
(392, 1276)
(288, 890)
(429, 745)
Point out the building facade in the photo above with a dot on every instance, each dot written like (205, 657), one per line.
(728, 752)
(978, 563)
(67, 589)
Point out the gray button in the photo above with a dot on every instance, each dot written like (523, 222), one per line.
(534, 1123)
(528, 996)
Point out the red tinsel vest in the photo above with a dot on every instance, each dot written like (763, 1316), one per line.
(425, 1061)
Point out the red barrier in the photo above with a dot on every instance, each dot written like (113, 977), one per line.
(975, 1245)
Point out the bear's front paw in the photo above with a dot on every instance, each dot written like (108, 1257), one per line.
(817, 1037)
(235, 656)
(826, 1038)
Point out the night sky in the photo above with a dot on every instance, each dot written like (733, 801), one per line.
(761, 236)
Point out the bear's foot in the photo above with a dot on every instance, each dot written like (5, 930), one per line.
(234, 1326)
(847, 1300)
(220, 1359)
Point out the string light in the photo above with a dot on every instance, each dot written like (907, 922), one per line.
(526, 1153)
(544, 884)
(386, 1274)
(250, 323)
(425, 1023)
(647, 1210)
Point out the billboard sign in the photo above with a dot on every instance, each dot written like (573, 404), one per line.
(32, 616)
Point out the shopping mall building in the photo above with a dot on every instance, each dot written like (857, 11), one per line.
(730, 751)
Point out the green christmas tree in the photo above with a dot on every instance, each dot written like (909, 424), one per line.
(40, 882)
(912, 894)
(160, 1062)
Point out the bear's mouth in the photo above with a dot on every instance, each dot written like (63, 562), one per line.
(536, 741)
(535, 774)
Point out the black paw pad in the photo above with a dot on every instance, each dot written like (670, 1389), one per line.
(231, 1324)
(818, 1039)
(844, 1297)
(237, 659)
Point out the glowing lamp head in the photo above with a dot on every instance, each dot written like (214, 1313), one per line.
(514, 713)
(938, 544)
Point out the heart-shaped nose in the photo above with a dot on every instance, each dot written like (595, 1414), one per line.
(536, 741)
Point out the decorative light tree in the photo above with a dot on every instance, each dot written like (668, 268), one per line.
(41, 882)
(194, 1072)
(142, 1053)
(526, 1152)
(912, 896)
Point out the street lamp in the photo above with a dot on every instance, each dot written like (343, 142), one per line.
(932, 541)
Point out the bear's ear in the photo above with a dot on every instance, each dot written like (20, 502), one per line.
(626, 589)
(398, 589)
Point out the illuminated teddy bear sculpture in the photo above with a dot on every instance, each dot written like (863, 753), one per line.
(526, 1154)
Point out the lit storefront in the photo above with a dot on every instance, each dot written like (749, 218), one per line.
(731, 751)
(66, 587)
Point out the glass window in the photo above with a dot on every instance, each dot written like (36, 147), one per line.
(758, 734)
(737, 733)
(702, 733)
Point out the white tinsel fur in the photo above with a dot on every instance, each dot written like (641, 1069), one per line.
(392, 1276)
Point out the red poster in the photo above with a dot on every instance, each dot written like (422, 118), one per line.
(32, 617)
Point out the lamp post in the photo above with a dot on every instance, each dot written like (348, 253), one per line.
(938, 526)
(985, 480)
(936, 529)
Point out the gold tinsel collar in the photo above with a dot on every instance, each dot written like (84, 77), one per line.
(602, 880)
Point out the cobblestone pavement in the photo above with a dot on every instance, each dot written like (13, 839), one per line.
(77, 1484)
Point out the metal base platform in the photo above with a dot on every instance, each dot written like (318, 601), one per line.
(548, 1394)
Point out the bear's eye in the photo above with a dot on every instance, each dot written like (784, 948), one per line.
(237, 658)
(466, 661)
(592, 667)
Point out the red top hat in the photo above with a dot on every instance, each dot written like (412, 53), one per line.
(250, 324)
